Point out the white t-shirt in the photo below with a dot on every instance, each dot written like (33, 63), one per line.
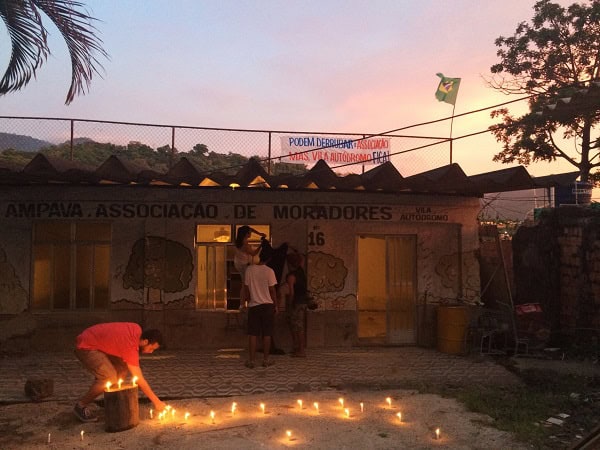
(241, 260)
(259, 278)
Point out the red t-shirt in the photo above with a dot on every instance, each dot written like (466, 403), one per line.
(120, 339)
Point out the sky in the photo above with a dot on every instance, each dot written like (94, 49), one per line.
(351, 66)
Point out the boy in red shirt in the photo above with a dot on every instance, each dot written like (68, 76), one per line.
(109, 351)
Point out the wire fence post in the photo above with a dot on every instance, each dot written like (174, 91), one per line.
(269, 155)
(71, 143)
(172, 158)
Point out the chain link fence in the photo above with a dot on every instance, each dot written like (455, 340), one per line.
(409, 154)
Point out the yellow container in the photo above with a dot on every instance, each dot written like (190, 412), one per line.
(451, 328)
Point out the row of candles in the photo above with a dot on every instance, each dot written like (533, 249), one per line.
(171, 411)
(120, 382)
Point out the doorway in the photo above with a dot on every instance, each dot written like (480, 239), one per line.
(387, 289)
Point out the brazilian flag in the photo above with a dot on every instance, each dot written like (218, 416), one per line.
(447, 89)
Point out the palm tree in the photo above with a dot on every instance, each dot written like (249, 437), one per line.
(28, 36)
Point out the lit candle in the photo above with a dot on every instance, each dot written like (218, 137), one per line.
(187, 415)
(151, 416)
(173, 413)
(233, 406)
(389, 401)
(362, 407)
(120, 382)
(134, 381)
(108, 385)
(347, 411)
(316, 405)
(399, 416)
(289, 435)
(341, 400)
(300, 403)
(262, 407)
(49, 437)
(212, 416)
(82, 432)
(167, 408)
(437, 433)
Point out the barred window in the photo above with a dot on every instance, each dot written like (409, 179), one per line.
(219, 283)
(71, 265)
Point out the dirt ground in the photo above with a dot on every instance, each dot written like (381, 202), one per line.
(52, 425)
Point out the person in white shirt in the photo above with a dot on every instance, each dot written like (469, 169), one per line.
(259, 283)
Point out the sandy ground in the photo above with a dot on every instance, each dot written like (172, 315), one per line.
(53, 425)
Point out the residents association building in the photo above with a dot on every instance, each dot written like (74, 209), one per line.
(80, 246)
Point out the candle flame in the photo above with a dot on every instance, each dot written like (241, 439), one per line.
(134, 381)
(172, 413)
(347, 411)
(316, 405)
(389, 401)
(233, 407)
(437, 433)
(49, 437)
(151, 414)
(362, 407)
(212, 416)
(399, 416)
(108, 385)
(168, 407)
(82, 432)
(341, 400)
(120, 382)
(187, 415)
(262, 406)
(289, 434)
(300, 403)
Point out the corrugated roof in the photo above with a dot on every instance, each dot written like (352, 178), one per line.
(562, 179)
(448, 179)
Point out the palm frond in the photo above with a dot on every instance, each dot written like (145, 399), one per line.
(29, 47)
(29, 42)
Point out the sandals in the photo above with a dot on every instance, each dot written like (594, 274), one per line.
(250, 364)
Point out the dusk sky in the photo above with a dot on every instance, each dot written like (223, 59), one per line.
(321, 66)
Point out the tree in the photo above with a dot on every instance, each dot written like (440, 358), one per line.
(199, 150)
(29, 42)
(556, 60)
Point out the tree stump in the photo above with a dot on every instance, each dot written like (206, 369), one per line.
(121, 408)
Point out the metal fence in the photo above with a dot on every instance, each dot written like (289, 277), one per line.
(410, 154)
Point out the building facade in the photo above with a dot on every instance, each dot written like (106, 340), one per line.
(160, 252)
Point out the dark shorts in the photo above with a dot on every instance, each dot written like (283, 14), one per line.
(261, 319)
(104, 367)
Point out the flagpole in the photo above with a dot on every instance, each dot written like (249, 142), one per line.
(451, 123)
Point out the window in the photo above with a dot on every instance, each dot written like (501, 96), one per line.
(71, 265)
(219, 283)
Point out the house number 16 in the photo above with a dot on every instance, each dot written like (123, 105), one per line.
(316, 238)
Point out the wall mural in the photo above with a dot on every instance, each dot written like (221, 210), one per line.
(346, 302)
(158, 265)
(447, 271)
(13, 298)
(326, 273)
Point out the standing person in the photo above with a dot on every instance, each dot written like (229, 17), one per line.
(244, 254)
(276, 262)
(260, 284)
(297, 299)
(109, 351)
